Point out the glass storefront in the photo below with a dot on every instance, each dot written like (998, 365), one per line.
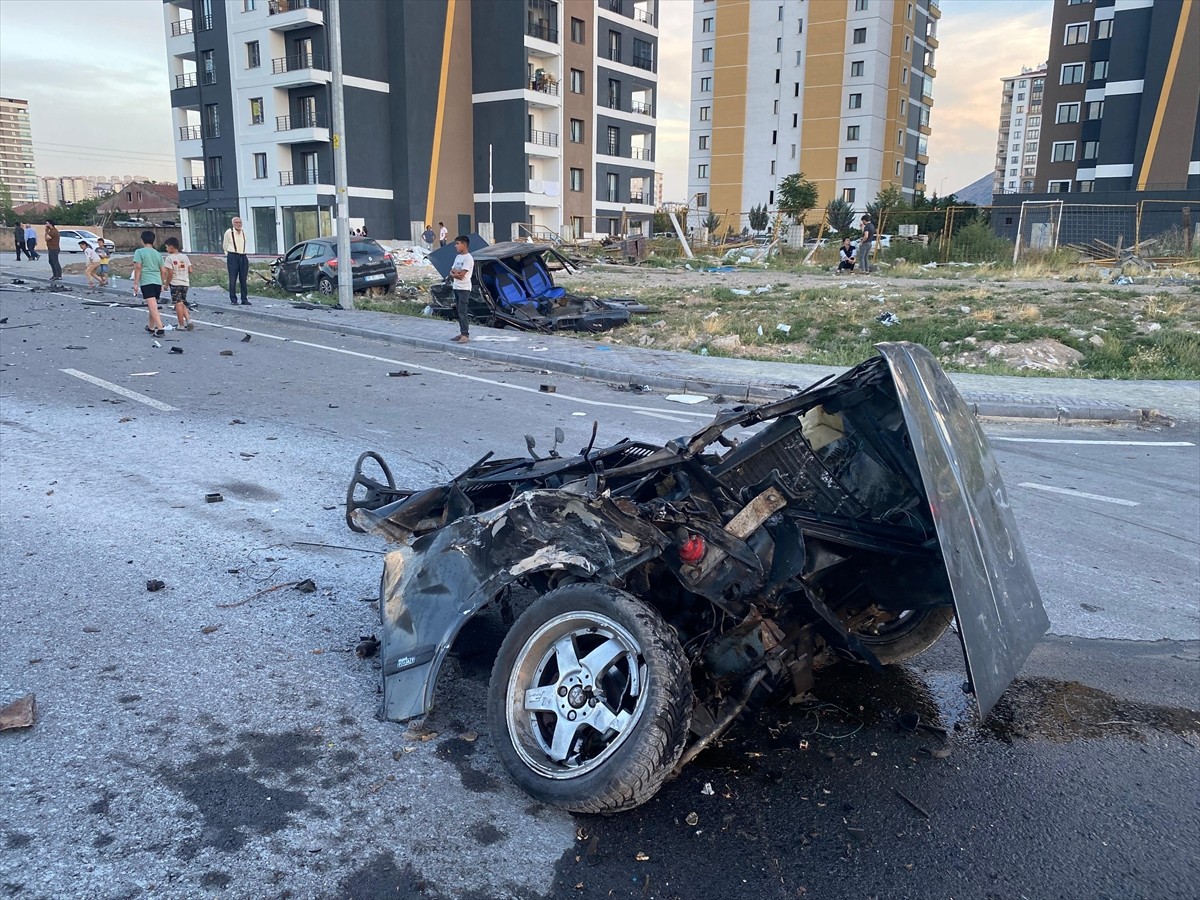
(302, 223)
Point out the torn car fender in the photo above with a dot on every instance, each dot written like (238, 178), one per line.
(431, 588)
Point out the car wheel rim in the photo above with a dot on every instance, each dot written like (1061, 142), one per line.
(575, 692)
(325, 286)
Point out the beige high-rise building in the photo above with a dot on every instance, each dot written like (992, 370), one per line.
(1020, 131)
(16, 151)
(840, 90)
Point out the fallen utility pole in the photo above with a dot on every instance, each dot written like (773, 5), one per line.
(340, 180)
(679, 233)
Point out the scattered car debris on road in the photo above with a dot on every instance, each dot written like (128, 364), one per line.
(153, 585)
(19, 713)
(245, 340)
(226, 353)
(214, 497)
(307, 586)
(368, 646)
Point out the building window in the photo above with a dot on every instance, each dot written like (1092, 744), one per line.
(1104, 29)
(260, 165)
(1100, 70)
(212, 121)
(707, 26)
(856, 69)
(851, 164)
(256, 111)
(1086, 187)
(793, 151)
(795, 120)
(577, 180)
(1033, 133)
(1013, 159)
(860, 5)
(1030, 146)
(1072, 73)
(774, 138)
(852, 132)
(705, 113)
(777, 76)
(1066, 113)
(772, 167)
(614, 141)
(1091, 150)
(848, 194)
(576, 81)
(1076, 34)
(706, 54)
(778, 45)
(643, 54)
(702, 200)
(1063, 151)
(706, 85)
(774, 107)
(796, 89)
(1077, 2)
(1059, 187)
(248, 5)
(799, 57)
(904, 76)
(1021, 96)
(1012, 172)
(908, 43)
(577, 33)
(800, 26)
(770, 198)
(212, 171)
(856, 101)
(577, 131)
(903, 106)
(779, 14)
(702, 142)
(702, 170)
(253, 57)
(908, 13)
(208, 65)
(860, 35)
(1094, 110)
(614, 45)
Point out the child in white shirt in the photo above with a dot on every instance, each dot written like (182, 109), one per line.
(179, 279)
(91, 261)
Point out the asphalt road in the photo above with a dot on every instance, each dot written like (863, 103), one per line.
(219, 738)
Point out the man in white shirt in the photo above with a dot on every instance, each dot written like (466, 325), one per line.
(460, 280)
(442, 232)
(237, 262)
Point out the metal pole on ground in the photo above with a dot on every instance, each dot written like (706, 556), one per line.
(345, 270)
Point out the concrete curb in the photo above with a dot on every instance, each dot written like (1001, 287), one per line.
(1009, 408)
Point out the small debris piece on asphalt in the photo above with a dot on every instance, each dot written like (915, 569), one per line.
(154, 584)
(227, 353)
(913, 803)
(209, 629)
(214, 497)
(368, 646)
(90, 629)
(18, 714)
(692, 819)
(176, 349)
(236, 422)
(547, 388)
(469, 736)
(246, 339)
(307, 586)
(686, 398)
(707, 790)
(74, 347)
(641, 857)
(403, 373)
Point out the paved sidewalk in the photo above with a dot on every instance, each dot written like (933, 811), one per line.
(1016, 396)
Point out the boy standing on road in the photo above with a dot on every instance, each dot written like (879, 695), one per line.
(147, 277)
(460, 275)
(179, 269)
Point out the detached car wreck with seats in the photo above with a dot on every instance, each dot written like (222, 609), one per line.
(681, 585)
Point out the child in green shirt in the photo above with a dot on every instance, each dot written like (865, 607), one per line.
(147, 276)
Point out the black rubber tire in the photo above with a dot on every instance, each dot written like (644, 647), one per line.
(910, 638)
(641, 763)
(325, 285)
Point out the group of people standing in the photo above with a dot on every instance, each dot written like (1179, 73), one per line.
(25, 241)
(428, 237)
(152, 271)
(849, 255)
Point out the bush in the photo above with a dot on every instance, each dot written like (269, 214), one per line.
(977, 242)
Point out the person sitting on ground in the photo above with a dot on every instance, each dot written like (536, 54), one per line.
(102, 271)
(178, 270)
(91, 261)
(147, 277)
(846, 256)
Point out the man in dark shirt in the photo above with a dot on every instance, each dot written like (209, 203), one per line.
(864, 246)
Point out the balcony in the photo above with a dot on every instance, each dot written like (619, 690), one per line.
(301, 176)
(203, 23)
(200, 183)
(543, 138)
(189, 132)
(545, 86)
(543, 92)
(186, 80)
(542, 32)
(183, 26)
(288, 15)
(637, 197)
(299, 69)
(643, 62)
(642, 109)
(641, 15)
(642, 153)
(302, 129)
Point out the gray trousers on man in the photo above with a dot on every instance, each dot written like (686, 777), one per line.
(462, 300)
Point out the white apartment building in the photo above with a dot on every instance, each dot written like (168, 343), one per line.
(16, 151)
(1020, 131)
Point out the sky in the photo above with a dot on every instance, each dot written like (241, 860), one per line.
(95, 75)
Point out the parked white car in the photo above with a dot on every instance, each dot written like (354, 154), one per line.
(70, 238)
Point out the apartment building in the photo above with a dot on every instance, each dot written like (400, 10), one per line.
(531, 116)
(1020, 131)
(1122, 98)
(16, 151)
(840, 90)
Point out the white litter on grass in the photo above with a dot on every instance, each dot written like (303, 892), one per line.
(707, 790)
(760, 331)
(888, 319)
(765, 289)
(782, 327)
(687, 398)
(740, 292)
(538, 349)
(713, 314)
(964, 309)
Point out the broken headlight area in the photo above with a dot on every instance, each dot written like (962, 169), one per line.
(682, 584)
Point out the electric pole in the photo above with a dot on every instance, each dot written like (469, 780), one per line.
(345, 270)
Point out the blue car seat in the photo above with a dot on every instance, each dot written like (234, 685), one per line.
(537, 279)
(507, 288)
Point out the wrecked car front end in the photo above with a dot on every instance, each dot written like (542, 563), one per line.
(679, 585)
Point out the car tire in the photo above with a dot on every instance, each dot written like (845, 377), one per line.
(592, 745)
(325, 285)
(914, 632)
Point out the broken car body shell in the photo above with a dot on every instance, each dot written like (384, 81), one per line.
(918, 490)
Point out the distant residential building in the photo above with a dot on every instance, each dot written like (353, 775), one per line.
(146, 200)
(841, 91)
(1020, 131)
(16, 151)
(50, 190)
(535, 116)
(1122, 98)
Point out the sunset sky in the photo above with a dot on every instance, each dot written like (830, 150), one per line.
(95, 75)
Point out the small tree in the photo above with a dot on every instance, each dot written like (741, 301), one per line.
(712, 222)
(797, 195)
(885, 201)
(661, 222)
(839, 214)
(759, 217)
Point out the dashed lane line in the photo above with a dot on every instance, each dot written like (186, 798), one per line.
(123, 391)
(1083, 495)
(1026, 440)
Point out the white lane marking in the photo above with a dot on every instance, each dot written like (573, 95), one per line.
(657, 415)
(117, 389)
(1021, 440)
(488, 381)
(1081, 494)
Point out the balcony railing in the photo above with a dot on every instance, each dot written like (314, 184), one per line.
(303, 120)
(210, 78)
(613, 149)
(275, 7)
(642, 153)
(189, 132)
(198, 182)
(611, 196)
(642, 15)
(301, 176)
(637, 197)
(545, 85)
(187, 79)
(183, 26)
(643, 62)
(203, 23)
(545, 138)
(614, 103)
(297, 61)
(644, 109)
(542, 32)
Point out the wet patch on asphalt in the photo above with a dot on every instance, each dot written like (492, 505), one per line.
(244, 490)
(382, 878)
(458, 752)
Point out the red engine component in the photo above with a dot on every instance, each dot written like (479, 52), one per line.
(693, 550)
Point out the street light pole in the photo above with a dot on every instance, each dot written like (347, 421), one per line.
(345, 271)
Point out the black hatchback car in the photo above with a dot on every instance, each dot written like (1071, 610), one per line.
(313, 265)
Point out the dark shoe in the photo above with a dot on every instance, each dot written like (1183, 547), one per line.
(234, 302)
(460, 339)
(246, 303)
